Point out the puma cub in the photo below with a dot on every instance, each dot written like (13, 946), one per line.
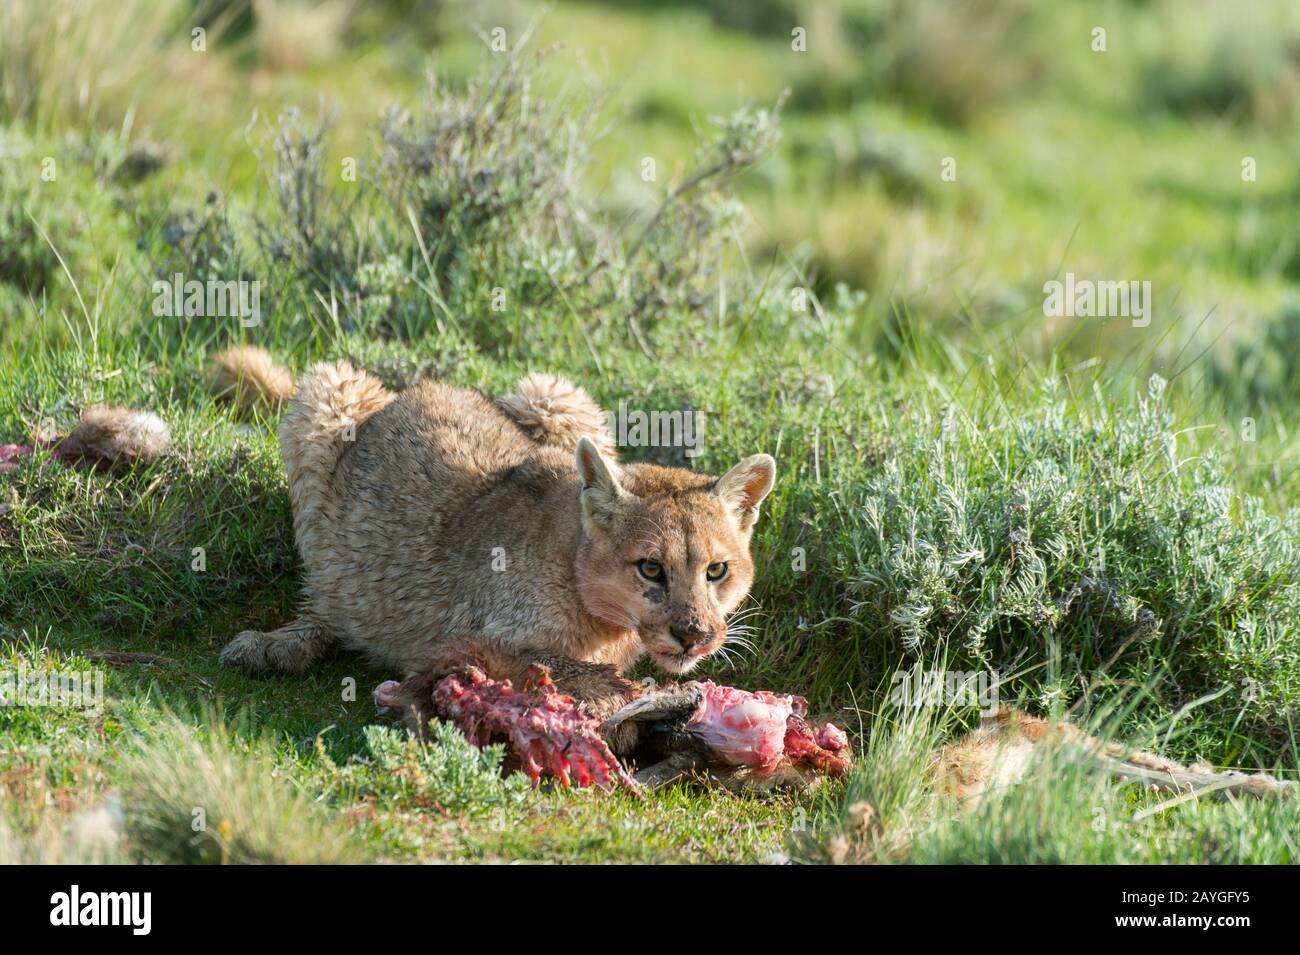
(439, 529)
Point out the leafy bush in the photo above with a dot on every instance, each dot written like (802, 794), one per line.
(1082, 534)
(447, 773)
(488, 178)
(470, 223)
(310, 231)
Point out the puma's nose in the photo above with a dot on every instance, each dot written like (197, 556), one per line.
(688, 637)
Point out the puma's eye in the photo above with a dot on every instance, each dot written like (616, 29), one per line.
(650, 570)
(716, 571)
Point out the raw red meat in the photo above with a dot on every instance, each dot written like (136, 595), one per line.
(553, 735)
(760, 729)
(833, 738)
(742, 728)
(824, 749)
(547, 730)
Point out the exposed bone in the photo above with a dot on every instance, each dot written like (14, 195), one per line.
(673, 702)
(733, 737)
(549, 732)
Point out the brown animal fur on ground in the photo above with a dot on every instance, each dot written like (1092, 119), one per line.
(1001, 750)
(438, 527)
(115, 437)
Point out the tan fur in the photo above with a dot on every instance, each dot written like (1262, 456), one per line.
(1000, 751)
(249, 378)
(554, 412)
(995, 754)
(117, 437)
(330, 406)
(437, 527)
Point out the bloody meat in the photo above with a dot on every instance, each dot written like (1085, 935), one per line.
(553, 735)
(763, 728)
(548, 731)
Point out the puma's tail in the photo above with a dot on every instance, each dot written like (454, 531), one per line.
(322, 415)
(554, 411)
(249, 378)
(330, 404)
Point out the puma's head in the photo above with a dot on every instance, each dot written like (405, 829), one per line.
(665, 551)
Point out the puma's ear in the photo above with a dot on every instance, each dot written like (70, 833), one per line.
(600, 488)
(744, 487)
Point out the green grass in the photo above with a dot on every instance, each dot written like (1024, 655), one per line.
(1063, 813)
(961, 482)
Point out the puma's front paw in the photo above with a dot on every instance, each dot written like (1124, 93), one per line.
(247, 651)
(291, 649)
